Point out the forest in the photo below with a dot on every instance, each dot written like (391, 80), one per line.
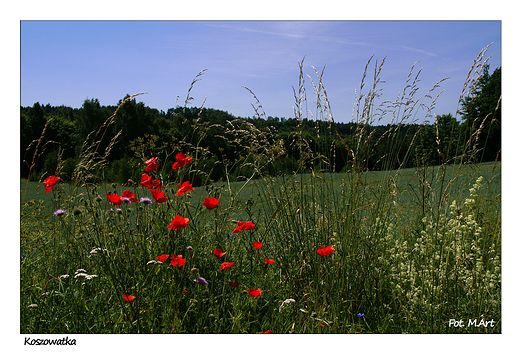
(53, 138)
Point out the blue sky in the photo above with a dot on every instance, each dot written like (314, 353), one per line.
(66, 62)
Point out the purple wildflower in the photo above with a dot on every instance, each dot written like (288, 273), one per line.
(200, 281)
(145, 200)
(59, 212)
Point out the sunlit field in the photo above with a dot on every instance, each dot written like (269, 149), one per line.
(392, 250)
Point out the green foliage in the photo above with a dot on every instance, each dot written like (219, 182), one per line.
(481, 113)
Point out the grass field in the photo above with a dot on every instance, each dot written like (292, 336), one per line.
(392, 251)
(406, 259)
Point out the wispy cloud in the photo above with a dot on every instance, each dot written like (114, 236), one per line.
(419, 51)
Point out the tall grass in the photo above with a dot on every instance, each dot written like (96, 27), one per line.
(413, 248)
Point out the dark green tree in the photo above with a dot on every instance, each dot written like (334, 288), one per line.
(481, 114)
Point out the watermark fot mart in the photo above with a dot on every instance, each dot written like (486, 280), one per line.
(474, 322)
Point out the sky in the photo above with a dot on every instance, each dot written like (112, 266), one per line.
(66, 62)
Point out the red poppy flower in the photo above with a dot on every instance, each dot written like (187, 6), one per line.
(269, 261)
(130, 196)
(156, 184)
(233, 284)
(177, 261)
(217, 252)
(267, 332)
(179, 223)
(50, 183)
(255, 292)
(146, 181)
(325, 251)
(181, 160)
(129, 297)
(184, 188)
(151, 164)
(246, 225)
(114, 198)
(158, 195)
(227, 265)
(184, 292)
(162, 257)
(257, 245)
(210, 203)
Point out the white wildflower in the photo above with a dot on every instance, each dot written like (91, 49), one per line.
(286, 301)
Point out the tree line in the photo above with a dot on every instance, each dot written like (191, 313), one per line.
(227, 146)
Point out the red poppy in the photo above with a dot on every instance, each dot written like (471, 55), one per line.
(227, 265)
(269, 261)
(181, 160)
(130, 196)
(210, 203)
(50, 183)
(255, 292)
(151, 164)
(184, 188)
(114, 198)
(179, 223)
(184, 292)
(217, 252)
(267, 332)
(156, 184)
(177, 261)
(244, 225)
(325, 251)
(158, 195)
(146, 181)
(257, 245)
(129, 297)
(233, 284)
(162, 257)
